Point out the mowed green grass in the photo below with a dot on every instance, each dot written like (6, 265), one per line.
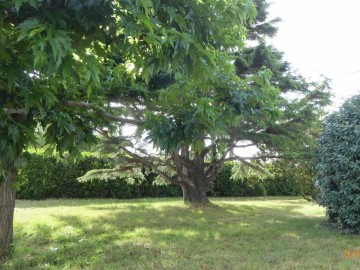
(256, 233)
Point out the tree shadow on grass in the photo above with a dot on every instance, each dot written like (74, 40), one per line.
(169, 237)
(63, 202)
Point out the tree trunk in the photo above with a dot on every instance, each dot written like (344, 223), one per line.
(192, 178)
(195, 193)
(7, 206)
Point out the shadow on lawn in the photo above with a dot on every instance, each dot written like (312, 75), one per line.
(63, 202)
(146, 235)
(86, 202)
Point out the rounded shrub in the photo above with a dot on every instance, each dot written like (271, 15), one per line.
(338, 166)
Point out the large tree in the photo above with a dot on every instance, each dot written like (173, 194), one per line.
(188, 127)
(58, 58)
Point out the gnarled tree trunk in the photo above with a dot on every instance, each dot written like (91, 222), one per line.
(7, 206)
(194, 177)
(195, 192)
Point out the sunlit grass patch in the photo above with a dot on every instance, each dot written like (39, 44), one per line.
(256, 233)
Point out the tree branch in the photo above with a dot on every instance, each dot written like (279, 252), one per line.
(214, 165)
(13, 111)
(183, 160)
(213, 169)
(244, 146)
(151, 165)
(251, 158)
(254, 166)
(212, 172)
(179, 169)
(102, 112)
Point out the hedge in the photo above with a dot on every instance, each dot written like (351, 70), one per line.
(47, 177)
(338, 166)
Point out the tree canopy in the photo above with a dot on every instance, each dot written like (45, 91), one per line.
(58, 51)
(64, 63)
(180, 72)
(196, 124)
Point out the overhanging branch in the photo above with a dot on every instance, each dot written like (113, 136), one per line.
(255, 167)
(13, 111)
(245, 160)
(252, 158)
(146, 162)
(102, 112)
(245, 145)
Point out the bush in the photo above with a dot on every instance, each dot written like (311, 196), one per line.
(338, 166)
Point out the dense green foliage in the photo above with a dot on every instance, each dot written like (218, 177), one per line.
(48, 177)
(70, 68)
(338, 166)
(63, 62)
(56, 53)
(194, 124)
(53, 52)
(291, 177)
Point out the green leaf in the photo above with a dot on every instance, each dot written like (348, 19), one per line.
(27, 26)
(93, 71)
(67, 68)
(60, 45)
(14, 133)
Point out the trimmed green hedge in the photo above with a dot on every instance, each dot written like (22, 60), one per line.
(47, 177)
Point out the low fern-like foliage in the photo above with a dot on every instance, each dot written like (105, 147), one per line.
(338, 166)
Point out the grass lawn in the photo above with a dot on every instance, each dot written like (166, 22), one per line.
(256, 233)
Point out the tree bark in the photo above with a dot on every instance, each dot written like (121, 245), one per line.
(7, 207)
(191, 174)
(194, 193)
